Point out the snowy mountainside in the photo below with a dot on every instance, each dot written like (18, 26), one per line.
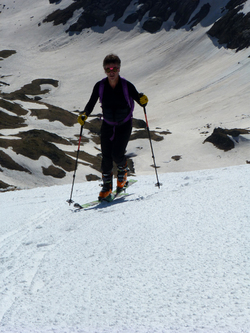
(194, 85)
(167, 260)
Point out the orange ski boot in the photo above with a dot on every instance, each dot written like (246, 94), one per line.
(122, 173)
(106, 186)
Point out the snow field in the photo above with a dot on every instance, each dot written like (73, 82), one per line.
(173, 259)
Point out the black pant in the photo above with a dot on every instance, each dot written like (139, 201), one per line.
(114, 140)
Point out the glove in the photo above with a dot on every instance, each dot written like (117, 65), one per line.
(82, 118)
(143, 99)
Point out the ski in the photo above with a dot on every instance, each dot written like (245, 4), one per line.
(113, 196)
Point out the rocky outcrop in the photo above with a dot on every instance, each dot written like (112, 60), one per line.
(94, 13)
(6, 53)
(203, 12)
(232, 29)
(225, 139)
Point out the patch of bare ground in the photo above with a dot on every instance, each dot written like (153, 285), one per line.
(221, 140)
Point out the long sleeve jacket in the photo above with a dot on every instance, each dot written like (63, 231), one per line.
(114, 105)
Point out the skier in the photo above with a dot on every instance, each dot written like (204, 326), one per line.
(117, 97)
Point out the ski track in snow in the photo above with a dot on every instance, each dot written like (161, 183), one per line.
(174, 259)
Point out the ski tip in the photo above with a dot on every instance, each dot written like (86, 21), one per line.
(78, 206)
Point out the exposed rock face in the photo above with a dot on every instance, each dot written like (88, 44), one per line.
(95, 13)
(232, 29)
(200, 15)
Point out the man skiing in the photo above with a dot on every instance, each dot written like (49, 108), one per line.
(117, 97)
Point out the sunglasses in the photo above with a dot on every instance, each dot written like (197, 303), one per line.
(111, 69)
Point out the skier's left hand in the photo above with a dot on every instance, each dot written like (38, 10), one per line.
(143, 99)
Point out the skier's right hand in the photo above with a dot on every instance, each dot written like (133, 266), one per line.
(82, 118)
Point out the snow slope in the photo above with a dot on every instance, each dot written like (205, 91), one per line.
(174, 259)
